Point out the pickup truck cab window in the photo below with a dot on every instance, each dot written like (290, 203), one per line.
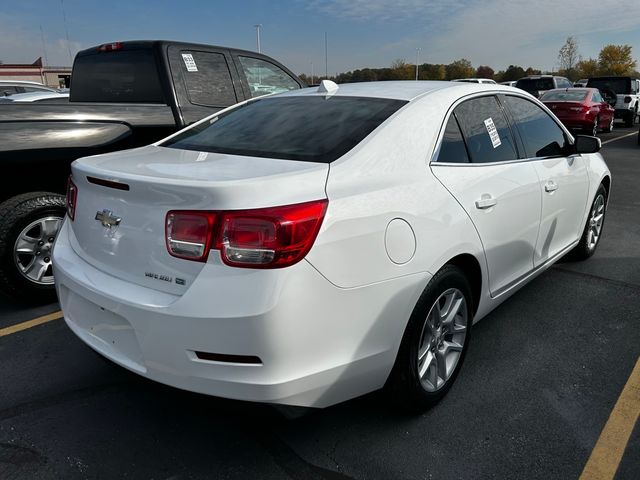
(541, 135)
(265, 78)
(120, 76)
(207, 79)
(486, 130)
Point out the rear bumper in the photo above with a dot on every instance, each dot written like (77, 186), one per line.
(318, 344)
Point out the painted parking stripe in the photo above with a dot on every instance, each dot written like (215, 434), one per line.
(30, 323)
(607, 453)
(619, 138)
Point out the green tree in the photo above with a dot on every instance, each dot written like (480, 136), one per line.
(429, 71)
(485, 71)
(616, 60)
(532, 71)
(514, 72)
(568, 58)
(459, 69)
(588, 68)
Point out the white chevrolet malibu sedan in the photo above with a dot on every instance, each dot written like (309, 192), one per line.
(310, 247)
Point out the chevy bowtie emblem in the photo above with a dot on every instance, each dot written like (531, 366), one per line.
(108, 219)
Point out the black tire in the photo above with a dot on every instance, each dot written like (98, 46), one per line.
(404, 385)
(629, 119)
(585, 249)
(609, 128)
(593, 129)
(16, 214)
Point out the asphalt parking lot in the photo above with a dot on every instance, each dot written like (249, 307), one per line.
(543, 374)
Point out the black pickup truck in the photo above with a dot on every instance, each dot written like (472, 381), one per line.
(123, 95)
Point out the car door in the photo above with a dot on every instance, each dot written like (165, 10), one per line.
(564, 181)
(478, 163)
(605, 111)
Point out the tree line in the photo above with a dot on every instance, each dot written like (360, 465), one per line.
(612, 60)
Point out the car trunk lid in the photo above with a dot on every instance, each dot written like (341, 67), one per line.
(123, 200)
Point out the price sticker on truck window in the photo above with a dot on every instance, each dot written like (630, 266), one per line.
(189, 62)
(493, 132)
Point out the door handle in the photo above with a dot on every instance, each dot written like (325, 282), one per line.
(550, 186)
(486, 202)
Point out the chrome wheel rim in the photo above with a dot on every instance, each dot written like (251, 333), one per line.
(32, 250)
(594, 132)
(596, 219)
(442, 339)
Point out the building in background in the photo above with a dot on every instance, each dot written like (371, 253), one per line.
(56, 77)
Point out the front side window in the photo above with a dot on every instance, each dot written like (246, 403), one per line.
(542, 136)
(485, 130)
(265, 78)
(452, 148)
(303, 128)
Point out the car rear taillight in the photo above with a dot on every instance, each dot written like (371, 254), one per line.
(72, 197)
(189, 234)
(110, 47)
(627, 99)
(272, 237)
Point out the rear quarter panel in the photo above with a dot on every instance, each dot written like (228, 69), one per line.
(387, 177)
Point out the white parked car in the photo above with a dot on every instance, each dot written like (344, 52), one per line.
(37, 97)
(309, 247)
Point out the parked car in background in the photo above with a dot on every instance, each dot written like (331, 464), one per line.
(580, 108)
(245, 257)
(124, 95)
(581, 83)
(11, 87)
(510, 83)
(39, 97)
(627, 91)
(536, 85)
(475, 80)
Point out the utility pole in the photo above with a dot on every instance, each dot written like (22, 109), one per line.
(417, 52)
(44, 46)
(312, 82)
(66, 30)
(258, 26)
(326, 58)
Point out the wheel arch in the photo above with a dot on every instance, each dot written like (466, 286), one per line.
(471, 268)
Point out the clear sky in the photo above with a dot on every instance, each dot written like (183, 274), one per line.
(361, 33)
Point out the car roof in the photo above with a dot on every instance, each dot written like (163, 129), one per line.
(22, 82)
(407, 90)
(33, 96)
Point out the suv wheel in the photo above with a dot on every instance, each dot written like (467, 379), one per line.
(29, 225)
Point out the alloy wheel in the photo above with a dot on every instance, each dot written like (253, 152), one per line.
(596, 219)
(442, 339)
(32, 250)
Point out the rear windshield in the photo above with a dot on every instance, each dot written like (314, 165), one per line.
(617, 85)
(564, 96)
(121, 76)
(305, 128)
(535, 84)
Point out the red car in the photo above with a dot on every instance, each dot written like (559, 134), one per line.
(580, 108)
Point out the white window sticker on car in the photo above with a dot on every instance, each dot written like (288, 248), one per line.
(189, 62)
(493, 132)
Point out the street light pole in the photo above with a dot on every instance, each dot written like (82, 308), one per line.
(311, 73)
(417, 52)
(258, 36)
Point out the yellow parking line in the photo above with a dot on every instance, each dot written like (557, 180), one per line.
(31, 323)
(607, 453)
(619, 138)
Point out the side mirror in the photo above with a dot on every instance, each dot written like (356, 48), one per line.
(587, 144)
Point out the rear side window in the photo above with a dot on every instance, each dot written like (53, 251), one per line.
(452, 148)
(304, 128)
(265, 78)
(618, 85)
(121, 76)
(542, 136)
(486, 130)
(207, 79)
